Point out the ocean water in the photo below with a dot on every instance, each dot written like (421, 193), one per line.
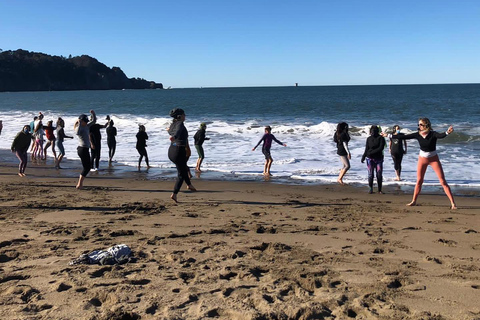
(304, 118)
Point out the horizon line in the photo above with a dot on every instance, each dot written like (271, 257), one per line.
(324, 85)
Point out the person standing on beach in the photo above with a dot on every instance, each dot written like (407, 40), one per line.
(141, 146)
(60, 138)
(20, 147)
(1, 126)
(32, 126)
(397, 151)
(374, 155)
(427, 139)
(267, 139)
(82, 130)
(111, 139)
(341, 138)
(96, 144)
(177, 152)
(50, 140)
(39, 133)
(199, 139)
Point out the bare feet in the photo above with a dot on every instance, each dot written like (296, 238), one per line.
(398, 179)
(21, 174)
(79, 187)
(341, 182)
(174, 197)
(191, 188)
(453, 207)
(412, 204)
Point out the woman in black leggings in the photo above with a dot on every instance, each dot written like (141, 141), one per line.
(397, 150)
(179, 148)
(82, 130)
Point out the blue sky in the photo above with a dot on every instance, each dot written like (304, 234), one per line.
(221, 43)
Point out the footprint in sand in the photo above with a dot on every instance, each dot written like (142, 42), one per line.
(63, 287)
(100, 272)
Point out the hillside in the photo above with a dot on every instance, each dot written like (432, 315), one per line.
(22, 70)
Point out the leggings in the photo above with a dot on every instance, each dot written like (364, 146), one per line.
(422, 165)
(96, 156)
(61, 149)
(178, 155)
(397, 161)
(375, 166)
(84, 155)
(346, 163)
(22, 156)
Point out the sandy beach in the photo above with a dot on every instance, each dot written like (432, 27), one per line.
(232, 250)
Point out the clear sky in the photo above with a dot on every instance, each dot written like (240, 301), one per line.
(226, 43)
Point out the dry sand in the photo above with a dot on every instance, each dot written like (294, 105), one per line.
(233, 250)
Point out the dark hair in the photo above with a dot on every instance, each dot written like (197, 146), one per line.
(374, 130)
(83, 117)
(395, 126)
(268, 128)
(175, 113)
(342, 127)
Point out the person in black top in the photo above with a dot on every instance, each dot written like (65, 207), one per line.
(427, 138)
(142, 138)
(397, 150)
(20, 146)
(199, 138)
(374, 155)
(60, 139)
(178, 150)
(341, 138)
(96, 144)
(111, 140)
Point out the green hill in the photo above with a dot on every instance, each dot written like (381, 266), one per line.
(22, 70)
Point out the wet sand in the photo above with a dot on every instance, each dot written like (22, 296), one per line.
(232, 250)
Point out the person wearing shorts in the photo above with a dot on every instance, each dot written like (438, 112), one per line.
(267, 139)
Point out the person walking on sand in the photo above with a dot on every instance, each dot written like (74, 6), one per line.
(374, 155)
(341, 138)
(199, 139)
(178, 150)
(111, 139)
(397, 150)
(60, 138)
(141, 146)
(267, 139)
(427, 139)
(50, 140)
(82, 130)
(20, 146)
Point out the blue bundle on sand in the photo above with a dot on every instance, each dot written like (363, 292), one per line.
(118, 254)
